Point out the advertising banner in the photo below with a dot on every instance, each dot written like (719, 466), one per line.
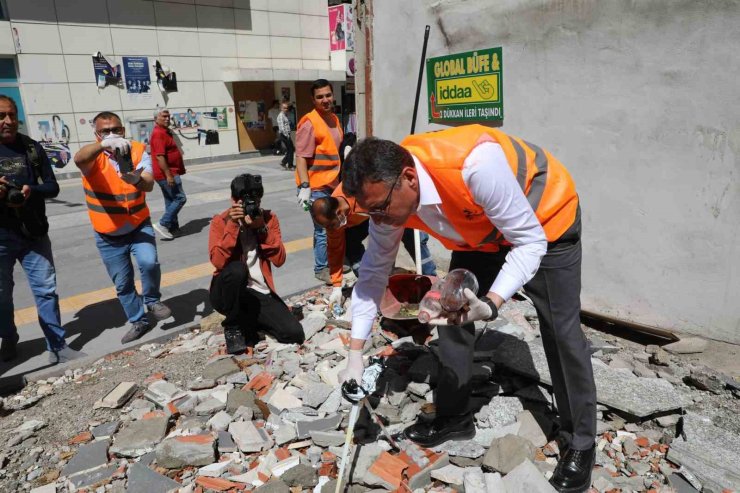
(136, 72)
(337, 28)
(105, 74)
(466, 87)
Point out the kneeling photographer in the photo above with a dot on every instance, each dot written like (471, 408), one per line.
(243, 241)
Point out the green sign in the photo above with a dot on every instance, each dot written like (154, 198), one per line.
(466, 87)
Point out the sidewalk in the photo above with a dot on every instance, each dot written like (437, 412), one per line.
(70, 171)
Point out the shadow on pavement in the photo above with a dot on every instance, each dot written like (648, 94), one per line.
(185, 307)
(195, 226)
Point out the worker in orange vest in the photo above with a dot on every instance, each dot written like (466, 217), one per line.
(346, 226)
(509, 212)
(318, 138)
(116, 204)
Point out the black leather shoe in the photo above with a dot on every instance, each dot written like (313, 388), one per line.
(8, 351)
(573, 472)
(235, 342)
(432, 433)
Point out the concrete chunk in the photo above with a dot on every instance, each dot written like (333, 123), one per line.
(117, 397)
(139, 437)
(526, 477)
(637, 396)
(506, 453)
(141, 479)
(305, 428)
(192, 450)
(161, 392)
(249, 438)
(95, 476)
(220, 368)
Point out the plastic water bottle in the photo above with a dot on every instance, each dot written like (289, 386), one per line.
(337, 310)
(447, 294)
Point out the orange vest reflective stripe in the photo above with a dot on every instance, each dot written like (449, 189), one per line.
(323, 168)
(545, 181)
(111, 202)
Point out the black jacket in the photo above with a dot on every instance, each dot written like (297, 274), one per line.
(16, 165)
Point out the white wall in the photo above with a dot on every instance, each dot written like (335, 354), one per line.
(640, 101)
(208, 43)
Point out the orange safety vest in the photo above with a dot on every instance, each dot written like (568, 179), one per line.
(111, 202)
(323, 168)
(545, 181)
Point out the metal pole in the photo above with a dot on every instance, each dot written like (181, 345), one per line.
(417, 235)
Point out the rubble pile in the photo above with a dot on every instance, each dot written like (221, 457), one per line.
(184, 416)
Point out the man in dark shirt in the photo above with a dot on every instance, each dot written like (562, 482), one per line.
(26, 179)
(167, 166)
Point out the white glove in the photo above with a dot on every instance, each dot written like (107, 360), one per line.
(115, 143)
(304, 195)
(336, 297)
(355, 367)
(474, 310)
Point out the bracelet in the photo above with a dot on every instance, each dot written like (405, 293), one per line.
(494, 309)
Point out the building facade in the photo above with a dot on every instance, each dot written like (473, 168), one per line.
(231, 59)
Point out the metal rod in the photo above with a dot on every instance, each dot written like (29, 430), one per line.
(418, 82)
(353, 414)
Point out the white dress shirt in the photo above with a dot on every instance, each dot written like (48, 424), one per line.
(487, 175)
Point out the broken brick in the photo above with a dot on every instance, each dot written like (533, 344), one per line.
(389, 468)
(260, 382)
(83, 437)
(217, 484)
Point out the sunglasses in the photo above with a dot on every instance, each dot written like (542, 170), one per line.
(110, 130)
(8, 114)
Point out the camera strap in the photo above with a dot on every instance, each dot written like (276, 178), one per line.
(32, 155)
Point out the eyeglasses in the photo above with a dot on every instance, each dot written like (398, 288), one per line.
(110, 130)
(382, 210)
(8, 114)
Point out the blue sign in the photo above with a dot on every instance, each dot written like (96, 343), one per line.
(136, 71)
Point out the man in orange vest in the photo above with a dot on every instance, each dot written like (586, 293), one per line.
(116, 203)
(346, 226)
(509, 212)
(318, 138)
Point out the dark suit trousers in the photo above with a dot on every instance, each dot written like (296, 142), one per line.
(555, 291)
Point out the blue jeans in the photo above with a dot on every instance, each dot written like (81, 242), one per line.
(320, 259)
(116, 253)
(37, 262)
(174, 200)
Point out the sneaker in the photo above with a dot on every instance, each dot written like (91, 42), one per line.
(138, 329)
(8, 351)
(165, 232)
(324, 276)
(64, 355)
(159, 310)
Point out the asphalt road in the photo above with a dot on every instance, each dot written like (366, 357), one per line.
(91, 314)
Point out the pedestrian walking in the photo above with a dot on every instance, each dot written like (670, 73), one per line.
(285, 136)
(168, 167)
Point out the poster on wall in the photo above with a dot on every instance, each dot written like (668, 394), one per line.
(105, 74)
(466, 87)
(166, 79)
(189, 120)
(349, 26)
(136, 72)
(336, 28)
(54, 135)
(285, 93)
(141, 130)
(253, 114)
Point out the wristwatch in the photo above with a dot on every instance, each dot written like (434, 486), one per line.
(305, 184)
(494, 309)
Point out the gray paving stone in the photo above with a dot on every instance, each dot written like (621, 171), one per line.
(273, 486)
(709, 452)
(220, 368)
(506, 453)
(249, 438)
(327, 438)
(209, 407)
(90, 478)
(139, 437)
(301, 475)
(313, 323)
(119, 395)
(141, 479)
(106, 429)
(637, 396)
(316, 394)
(225, 442)
(238, 398)
(89, 456)
(304, 428)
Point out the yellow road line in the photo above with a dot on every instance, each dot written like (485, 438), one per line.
(79, 301)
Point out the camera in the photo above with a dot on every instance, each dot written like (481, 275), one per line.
(14, 194)
(251, 195)
(125, 163)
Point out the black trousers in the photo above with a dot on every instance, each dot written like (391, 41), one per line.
(289, 150)
(555, 291)
(250, 310)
